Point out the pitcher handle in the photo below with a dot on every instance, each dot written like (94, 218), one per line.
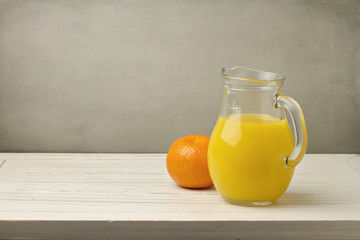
(298, 123)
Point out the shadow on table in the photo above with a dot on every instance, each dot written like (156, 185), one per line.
(298, 198)
(209, 189)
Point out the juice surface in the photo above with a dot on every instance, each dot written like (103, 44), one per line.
(246, 157)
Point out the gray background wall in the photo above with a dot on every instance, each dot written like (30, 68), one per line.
(133, 76)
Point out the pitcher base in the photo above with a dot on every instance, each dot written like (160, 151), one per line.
(248, 204)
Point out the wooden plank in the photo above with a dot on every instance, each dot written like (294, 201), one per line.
(40, 193)
(176, 230)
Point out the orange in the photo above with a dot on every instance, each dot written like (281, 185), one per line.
(186, 162)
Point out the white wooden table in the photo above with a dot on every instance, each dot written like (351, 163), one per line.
(131, 196)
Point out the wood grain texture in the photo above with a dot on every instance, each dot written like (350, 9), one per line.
(94, 196)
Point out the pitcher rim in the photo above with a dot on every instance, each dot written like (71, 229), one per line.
(279, 78)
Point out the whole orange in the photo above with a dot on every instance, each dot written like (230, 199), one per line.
(186, 162)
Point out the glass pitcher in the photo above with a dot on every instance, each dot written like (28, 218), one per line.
(252, 152)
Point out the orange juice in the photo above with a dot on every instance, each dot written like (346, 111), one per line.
(246, 157)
